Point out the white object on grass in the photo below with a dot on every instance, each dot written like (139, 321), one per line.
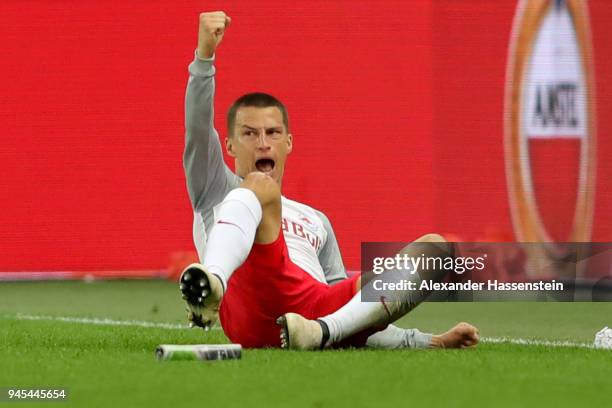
(603, 338)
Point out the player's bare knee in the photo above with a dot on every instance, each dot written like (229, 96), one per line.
(438, 243)
(264, 187)
(253, 180)
(431, 238)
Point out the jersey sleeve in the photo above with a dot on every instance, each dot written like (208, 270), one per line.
(208, 177)
(329, 255)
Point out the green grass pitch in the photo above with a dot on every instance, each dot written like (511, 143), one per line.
(114, 366)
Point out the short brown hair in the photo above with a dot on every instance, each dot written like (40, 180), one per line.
(255, 100)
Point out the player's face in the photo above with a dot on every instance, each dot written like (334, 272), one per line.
(260, 142)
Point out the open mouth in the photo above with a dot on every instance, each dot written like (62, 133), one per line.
(264, 165)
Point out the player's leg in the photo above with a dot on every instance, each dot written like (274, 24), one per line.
(250, 213)
(393, 337)
(357, 316)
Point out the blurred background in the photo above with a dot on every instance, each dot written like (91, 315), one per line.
(408, 117)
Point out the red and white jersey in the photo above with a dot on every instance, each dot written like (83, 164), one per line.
(304, 230)
(304, 234)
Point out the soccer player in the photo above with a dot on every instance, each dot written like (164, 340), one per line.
(271, 267)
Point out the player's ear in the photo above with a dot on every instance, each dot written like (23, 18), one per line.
(289, 143)
(229, 145)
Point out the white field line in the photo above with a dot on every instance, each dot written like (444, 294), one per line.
(534, 342)
(174, 326)
(102, 321)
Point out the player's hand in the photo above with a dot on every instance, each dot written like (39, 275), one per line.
(212, 28)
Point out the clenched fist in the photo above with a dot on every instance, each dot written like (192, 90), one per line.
(212, 27)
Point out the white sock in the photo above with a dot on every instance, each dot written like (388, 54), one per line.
(394, 337)
(355, 317)
(232, 236)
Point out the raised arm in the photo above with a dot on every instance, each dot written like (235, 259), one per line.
(208, 178)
